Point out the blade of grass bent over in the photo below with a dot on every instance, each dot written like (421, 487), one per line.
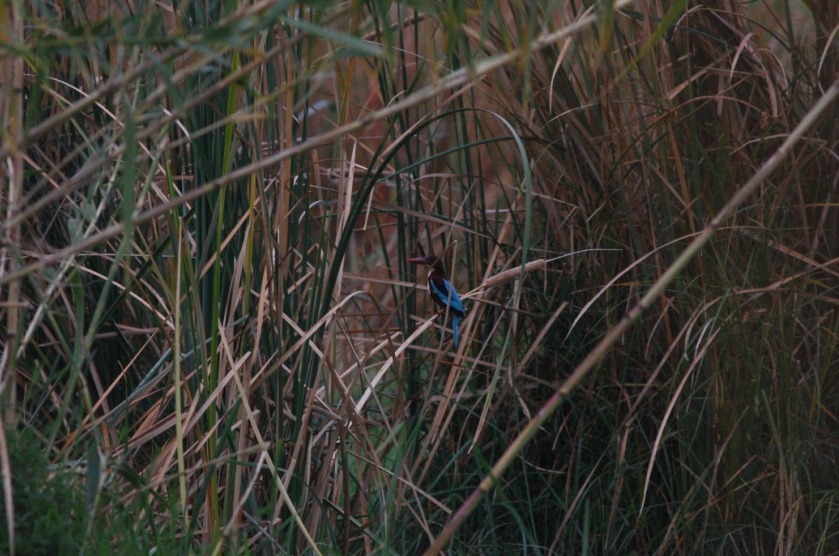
(652, 294)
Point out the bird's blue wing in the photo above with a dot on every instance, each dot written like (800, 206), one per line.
(444, 291)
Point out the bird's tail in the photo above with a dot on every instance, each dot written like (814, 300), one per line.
(455, 321)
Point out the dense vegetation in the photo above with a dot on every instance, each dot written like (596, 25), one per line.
(213, 343)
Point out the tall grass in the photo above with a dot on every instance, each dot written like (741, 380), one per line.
(214, 343)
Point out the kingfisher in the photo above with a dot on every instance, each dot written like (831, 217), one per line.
(442, 291)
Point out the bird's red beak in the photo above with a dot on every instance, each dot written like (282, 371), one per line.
(421, 260)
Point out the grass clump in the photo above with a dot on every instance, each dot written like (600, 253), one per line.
(73, 508)
(50, 516)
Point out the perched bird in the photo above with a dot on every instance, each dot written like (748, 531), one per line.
(442, 291)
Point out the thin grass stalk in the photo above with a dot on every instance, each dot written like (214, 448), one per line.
(576, 377)
(216, 309)
(6, 476)
(11, 111)
(178, 381)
